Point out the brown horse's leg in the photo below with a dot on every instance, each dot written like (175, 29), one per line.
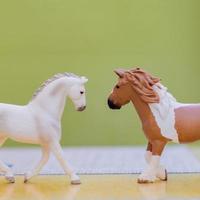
(157, 149)
(148, 153)
(150, 174)
(149, 147)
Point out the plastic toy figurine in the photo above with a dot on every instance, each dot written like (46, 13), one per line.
(163, 118)
(39, 122)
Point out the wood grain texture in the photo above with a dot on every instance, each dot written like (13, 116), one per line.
(101, 187)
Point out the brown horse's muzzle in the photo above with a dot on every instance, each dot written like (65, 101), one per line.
(112, 105)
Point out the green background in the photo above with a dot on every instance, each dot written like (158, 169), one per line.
(39, 38)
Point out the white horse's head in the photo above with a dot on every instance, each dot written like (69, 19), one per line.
(53, 92)
(77, 93)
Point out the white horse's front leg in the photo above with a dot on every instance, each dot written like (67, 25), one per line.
(39, 166)
(58, 152)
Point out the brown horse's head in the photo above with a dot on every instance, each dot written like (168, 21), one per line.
(131, 83)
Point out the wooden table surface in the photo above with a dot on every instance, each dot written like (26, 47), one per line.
(102, 187)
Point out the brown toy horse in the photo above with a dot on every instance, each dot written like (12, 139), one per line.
(163, 118)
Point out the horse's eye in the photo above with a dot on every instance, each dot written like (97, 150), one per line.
(117, 86)
(81, 92)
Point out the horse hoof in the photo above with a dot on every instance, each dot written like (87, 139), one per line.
(25, 180)
(165, 179)
(27, 176)
(10, 179)
(141, 181)
(76, 182)
(146, 177)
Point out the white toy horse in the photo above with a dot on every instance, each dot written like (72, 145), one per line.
(39, 122)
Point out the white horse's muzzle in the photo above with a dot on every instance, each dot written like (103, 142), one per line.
(81, 108)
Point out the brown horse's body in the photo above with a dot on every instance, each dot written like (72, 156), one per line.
(137, 86)
(187, 123)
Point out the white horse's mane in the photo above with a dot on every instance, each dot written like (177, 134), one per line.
(50, 80)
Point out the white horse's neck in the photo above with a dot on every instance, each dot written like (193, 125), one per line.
(52, 98)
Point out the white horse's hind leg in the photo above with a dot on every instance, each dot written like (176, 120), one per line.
(4, 168)
(8, 172)
(58, 152)
(39, 166)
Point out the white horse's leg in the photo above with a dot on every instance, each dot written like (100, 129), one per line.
(39, 166)
(4, 168)
(58, 152)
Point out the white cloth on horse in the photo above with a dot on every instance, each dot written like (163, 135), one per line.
(164, 112)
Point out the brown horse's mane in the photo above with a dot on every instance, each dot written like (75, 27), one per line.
(142, 82)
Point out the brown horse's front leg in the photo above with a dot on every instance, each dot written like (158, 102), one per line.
(148, 153)
(154, 170)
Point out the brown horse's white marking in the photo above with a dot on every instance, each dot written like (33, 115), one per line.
(163, 118)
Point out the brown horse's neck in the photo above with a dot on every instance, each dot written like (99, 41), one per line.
(142, 108)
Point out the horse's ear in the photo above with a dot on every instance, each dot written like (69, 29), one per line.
(84, 79)
(119, 72)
